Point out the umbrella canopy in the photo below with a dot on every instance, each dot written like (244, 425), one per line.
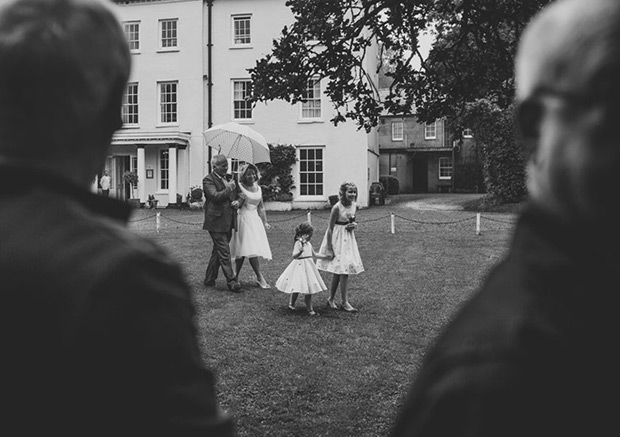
(234, 140)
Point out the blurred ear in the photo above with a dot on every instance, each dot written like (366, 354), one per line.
(528, 119)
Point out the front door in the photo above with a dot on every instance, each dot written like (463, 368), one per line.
(121, 165)
(420, 173)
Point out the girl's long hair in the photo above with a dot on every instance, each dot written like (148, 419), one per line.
(342, 194)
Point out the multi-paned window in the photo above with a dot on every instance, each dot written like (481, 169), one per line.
(168, 32)
(311, 106)
(168, 102)
(130, 104)
(241, 30)
(430, 130)
(397, 131)
(132, 33)
(445, 168)
(311, 171)
(468, 133)
(164, 169)
(242, 107)
(235, 166)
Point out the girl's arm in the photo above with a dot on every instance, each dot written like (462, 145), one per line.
(333, 217)
(298, 249)
(322, 256)
(353, 225)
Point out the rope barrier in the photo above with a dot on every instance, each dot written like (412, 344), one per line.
(309, 215)
(141, 219)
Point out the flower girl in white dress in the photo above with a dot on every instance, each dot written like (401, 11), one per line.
(301, 276)
(340, 241)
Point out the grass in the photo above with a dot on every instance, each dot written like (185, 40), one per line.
(284, 373)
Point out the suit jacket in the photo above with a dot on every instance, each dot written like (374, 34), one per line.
(534, 352)
(219, 215)
(96, 322)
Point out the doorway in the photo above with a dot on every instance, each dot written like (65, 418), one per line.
(420, 173)
(121, 165)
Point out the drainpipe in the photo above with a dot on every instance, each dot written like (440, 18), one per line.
(209, 72)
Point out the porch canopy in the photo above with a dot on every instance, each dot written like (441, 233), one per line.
(174, 140)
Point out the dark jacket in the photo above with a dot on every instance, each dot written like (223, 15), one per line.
(219, 215)
(97, 328)
(534, 353)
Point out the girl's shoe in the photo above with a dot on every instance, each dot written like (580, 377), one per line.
(312, 313)
(333, 305)
(291, 307)
(263, 284)
(348, 308)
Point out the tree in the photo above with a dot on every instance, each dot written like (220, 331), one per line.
(471, 58)
(470, 61)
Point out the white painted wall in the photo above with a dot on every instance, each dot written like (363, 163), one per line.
(348, 152)
(346, 156)
(151, 65)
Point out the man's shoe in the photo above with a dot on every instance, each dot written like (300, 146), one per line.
(235, 287)
(209, 283)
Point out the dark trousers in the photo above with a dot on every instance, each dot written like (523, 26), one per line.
(220, 257)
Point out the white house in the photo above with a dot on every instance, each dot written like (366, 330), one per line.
(190, 61)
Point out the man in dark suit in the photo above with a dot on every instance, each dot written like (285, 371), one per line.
(96, 322)
(220, 219)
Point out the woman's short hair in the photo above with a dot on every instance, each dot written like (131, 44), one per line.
(244, 170)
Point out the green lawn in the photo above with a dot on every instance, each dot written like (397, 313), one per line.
(284, 373)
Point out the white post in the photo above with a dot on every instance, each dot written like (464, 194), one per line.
(478, 224)
(141, 174)
(309, 217)
(172, 174)
(157, 221)
(392, 222)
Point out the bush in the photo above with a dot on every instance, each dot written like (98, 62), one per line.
(468, 178)
(504, 158)
(195, 194)
(276, 179)
(130, 177)
(390, 183)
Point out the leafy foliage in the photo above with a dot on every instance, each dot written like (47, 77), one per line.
(130, 177)
(195, 194)
(276, 177)
(504, 163)
(472, 57)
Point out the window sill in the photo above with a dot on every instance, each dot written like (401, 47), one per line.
(311, 198)
(162, 125)
(168, 50)
(310, 120)
(243, 120)
(241, 47)
(130, 126)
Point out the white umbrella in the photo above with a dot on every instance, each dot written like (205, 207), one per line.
(234, 140)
